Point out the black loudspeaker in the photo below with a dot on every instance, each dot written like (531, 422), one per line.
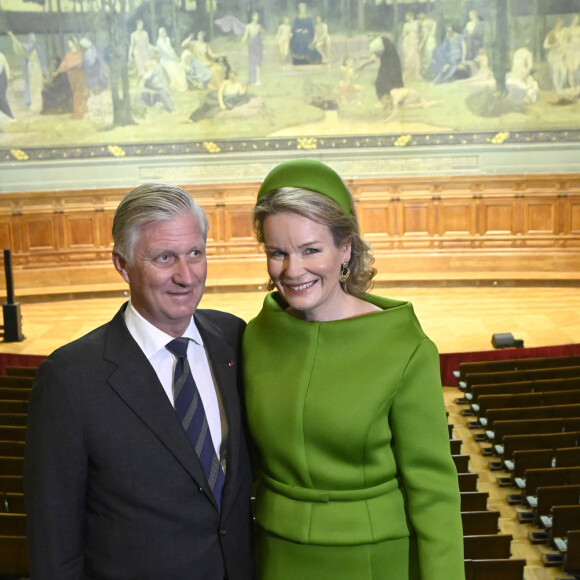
(506, 340)
(11, 310)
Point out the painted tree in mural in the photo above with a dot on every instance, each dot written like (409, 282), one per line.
(501, 43)
(110, 15)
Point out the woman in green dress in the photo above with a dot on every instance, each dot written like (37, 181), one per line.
(355, 479)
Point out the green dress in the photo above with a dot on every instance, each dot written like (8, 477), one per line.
(355, 478)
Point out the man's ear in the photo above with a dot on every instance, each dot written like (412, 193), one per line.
(120, 264)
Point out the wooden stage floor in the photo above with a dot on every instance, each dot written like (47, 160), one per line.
(458, 319)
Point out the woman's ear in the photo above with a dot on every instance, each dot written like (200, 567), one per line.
(347, 251)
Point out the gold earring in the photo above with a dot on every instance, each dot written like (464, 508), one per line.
(344, 272)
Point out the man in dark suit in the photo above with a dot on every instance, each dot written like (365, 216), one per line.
(114, 486)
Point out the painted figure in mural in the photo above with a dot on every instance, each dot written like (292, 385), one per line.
(232, 93)
(302, 37)
(406, 98)
(390, 73)
(171, 62)
(72, 64)
(522, 87)
(35, 69)
(57, 95)
(347, 86)
(555, 46)
(473, 35)
(140, 49)
(428, 43)
(449, 58)
(482, 76)
(322, 41)
(5, 110)
(572, 55)
(283, 37)
(198, 75)
(203, 68)
(155, 86)
(410, 41)
(253, 38)
(94, 66)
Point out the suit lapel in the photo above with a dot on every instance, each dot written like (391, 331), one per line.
(224, 362)
(137, 384)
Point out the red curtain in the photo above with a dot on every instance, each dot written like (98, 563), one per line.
(19, 360)
(450, 361)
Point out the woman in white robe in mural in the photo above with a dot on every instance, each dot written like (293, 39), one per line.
(35, 70)
(140, 50)
(410, 48)
(170, 62)
(555, 46)
(428, 43)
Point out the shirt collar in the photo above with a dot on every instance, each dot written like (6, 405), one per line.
(150, 338)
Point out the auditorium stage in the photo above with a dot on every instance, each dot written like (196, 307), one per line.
(458, 319)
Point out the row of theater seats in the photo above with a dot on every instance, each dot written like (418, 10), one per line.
(526, 413)
(487, 551)
(15, 390)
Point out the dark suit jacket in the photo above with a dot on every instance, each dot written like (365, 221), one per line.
(113, 486)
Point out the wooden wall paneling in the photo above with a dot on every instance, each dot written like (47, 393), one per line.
(10, 235)
(540, 221)
(9, 238)
(435, 225)
(41, 236)
(462, 227)
(377, 213)
(416, 222)
(214, 237)
(374, 219)
(84, 224)
(238, 232)
(497, 221)
(571, 219)
(106, 225)
(82, 231)
(457, 222)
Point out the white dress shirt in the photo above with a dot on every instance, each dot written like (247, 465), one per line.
(152, 342)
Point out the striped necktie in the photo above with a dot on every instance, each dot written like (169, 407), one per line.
(189, 409)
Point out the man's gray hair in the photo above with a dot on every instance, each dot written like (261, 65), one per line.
(148, 203)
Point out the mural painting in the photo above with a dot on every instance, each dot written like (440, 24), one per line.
(94, 78)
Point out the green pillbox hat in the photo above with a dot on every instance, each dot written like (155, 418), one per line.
(308, 174)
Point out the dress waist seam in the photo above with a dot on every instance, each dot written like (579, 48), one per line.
(298, 493)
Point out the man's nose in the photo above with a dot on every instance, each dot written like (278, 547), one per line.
(182, 272)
